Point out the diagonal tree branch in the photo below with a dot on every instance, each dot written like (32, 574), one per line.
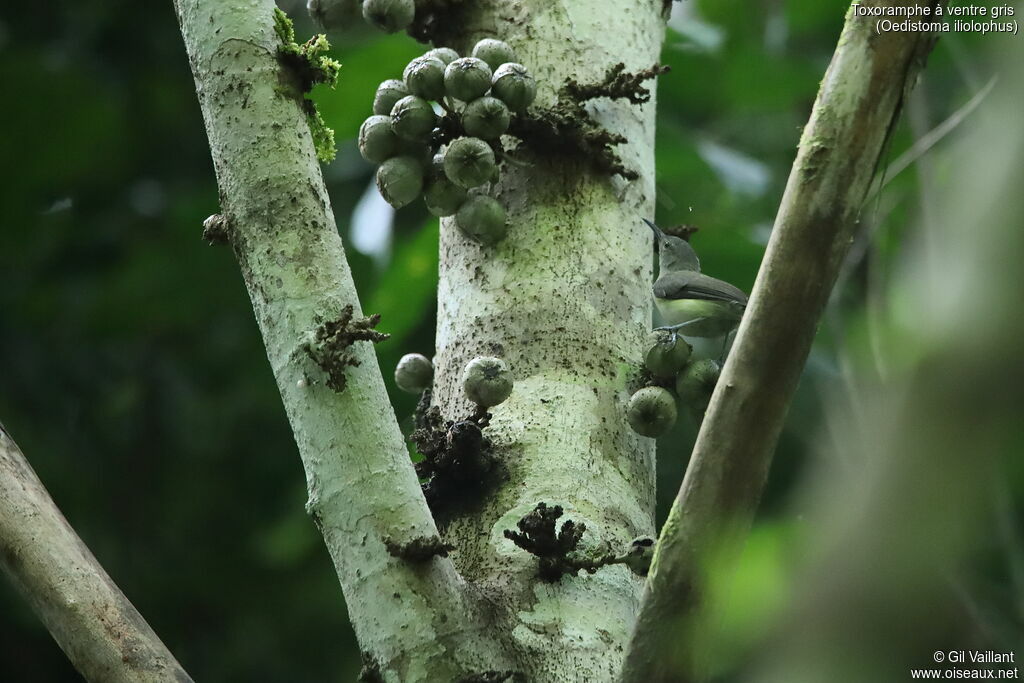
(99, 630)
(410, 618)
(840, 151)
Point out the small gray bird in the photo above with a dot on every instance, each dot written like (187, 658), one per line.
(693, 304)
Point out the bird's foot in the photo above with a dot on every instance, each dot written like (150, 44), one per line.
(676, 328)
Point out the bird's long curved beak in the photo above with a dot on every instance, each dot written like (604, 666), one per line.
(659, 236)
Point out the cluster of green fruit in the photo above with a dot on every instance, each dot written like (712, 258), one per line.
(389, 15)
(652, 410)
(486, 381)
(446, 152)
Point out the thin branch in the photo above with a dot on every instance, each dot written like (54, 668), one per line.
(840, 152)
(924, 143)
(99, 630)
(362, 486)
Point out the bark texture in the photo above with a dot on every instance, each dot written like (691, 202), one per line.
(564, 299)
(858, 104)
(412, 619)
(99, 630)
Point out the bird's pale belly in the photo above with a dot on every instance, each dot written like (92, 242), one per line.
(705, 318)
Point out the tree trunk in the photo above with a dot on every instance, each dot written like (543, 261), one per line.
(412, 620)
(565, 300)
(95, 625)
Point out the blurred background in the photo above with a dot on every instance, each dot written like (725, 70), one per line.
(133, 376)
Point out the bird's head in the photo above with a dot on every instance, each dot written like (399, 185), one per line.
(674, 253)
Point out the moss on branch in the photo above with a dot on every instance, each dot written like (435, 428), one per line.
(306, 65)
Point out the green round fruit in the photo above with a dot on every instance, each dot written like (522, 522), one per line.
(697, 382)
(424, 76)
(443, 197)
(514, 85)
(417, 149)
(482, 219)
(414, 373)
(389, 15)
(445, 54)
(388, 92)
(377, 142)
(487, 381)
(651, 411)
(469, 162)
(667, 353)
(494, 52)
(486, 117)
(400, 180)
(412, 118)
(335, 15)
(467, 78)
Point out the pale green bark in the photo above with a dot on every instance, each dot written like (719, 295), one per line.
(99, 630)
(412, 620)
(565, 300)
(857, 106)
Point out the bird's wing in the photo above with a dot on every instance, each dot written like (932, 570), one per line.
(683, 284)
